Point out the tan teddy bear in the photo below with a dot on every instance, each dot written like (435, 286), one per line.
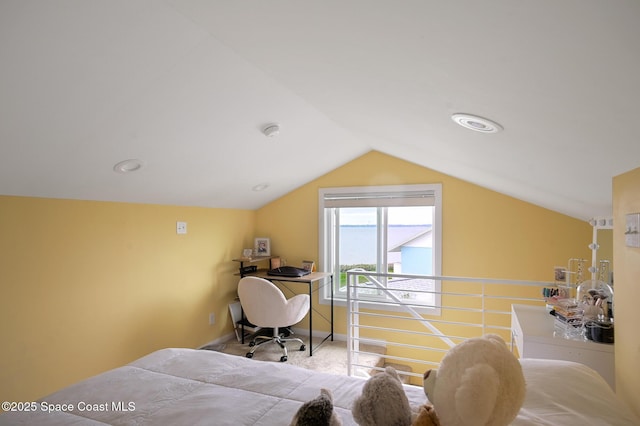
(383, 401)
(479, 383)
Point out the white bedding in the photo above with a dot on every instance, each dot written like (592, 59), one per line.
(199, 387)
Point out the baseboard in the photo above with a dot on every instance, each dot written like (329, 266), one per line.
(302, 332)
(219, 340)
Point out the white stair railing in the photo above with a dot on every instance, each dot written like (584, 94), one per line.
(418, 318)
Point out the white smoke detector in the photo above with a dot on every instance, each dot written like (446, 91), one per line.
(271, 130)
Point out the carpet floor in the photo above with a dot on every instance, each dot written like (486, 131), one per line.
(330, 357)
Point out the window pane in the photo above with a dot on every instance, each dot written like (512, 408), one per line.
(357, 240)
(410, 251)
(410, 240)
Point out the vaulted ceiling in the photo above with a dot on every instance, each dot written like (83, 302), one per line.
(187, 86)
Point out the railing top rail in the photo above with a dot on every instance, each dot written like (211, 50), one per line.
(452, 278)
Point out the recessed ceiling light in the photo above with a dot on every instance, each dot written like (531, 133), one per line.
(128, 166)
(479, 124)
(260, 187)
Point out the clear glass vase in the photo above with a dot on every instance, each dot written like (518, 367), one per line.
(596, 301)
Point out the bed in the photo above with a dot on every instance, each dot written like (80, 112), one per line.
(199, 387)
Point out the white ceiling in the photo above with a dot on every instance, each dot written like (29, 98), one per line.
(187, 85)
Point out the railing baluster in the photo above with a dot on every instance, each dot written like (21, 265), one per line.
(463, 318)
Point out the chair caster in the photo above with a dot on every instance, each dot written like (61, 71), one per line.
(283, 358)
(252, 343)
(249, 355)
(302, 348)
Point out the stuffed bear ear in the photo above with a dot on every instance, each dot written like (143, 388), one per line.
(392, 372)
(429, 381)
(327, 394)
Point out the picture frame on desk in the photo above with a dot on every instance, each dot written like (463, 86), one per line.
(262, 246)
(308, 265)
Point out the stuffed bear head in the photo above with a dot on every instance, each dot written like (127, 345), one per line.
(479, 383)
(383, 401)
(317, 412)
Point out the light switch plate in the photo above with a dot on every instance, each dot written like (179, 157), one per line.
(632, 230)
(181, 227)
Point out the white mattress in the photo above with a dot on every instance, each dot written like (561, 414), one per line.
(199, 387)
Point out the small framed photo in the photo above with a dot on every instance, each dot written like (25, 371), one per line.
(262, 246)
(307, 265)
(247, 253)
(560, 273)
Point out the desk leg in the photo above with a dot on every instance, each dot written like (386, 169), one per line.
(311, 315)
(311, 319)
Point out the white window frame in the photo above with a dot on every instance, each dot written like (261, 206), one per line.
(398, 195)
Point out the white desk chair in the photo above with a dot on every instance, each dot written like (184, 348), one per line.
(265, 305)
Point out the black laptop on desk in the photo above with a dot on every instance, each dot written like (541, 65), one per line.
(288, 271)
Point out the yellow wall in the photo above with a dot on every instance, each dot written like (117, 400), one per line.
(626, 260)
(485, 234)
(88, 286)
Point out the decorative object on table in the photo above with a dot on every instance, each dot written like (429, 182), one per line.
(562, 289)
(479, 382)
(596, 301)
(560, 273)
(568, 318)
(549, 293)
(275, 262)
(572, 275)
(576, 270)
(308, 265)
(262, 246)
(247, 253)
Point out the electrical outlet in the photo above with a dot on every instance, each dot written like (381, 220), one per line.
(212, 318)
(181, 227)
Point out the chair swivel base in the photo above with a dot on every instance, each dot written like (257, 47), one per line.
(278, 340)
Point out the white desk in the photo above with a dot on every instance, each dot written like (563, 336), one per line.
(532, 331)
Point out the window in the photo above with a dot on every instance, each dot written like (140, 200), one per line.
(394, 229)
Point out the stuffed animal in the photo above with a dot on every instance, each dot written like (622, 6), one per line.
(426, 416)
(317, 412)
(383, 401)
(479, 383)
